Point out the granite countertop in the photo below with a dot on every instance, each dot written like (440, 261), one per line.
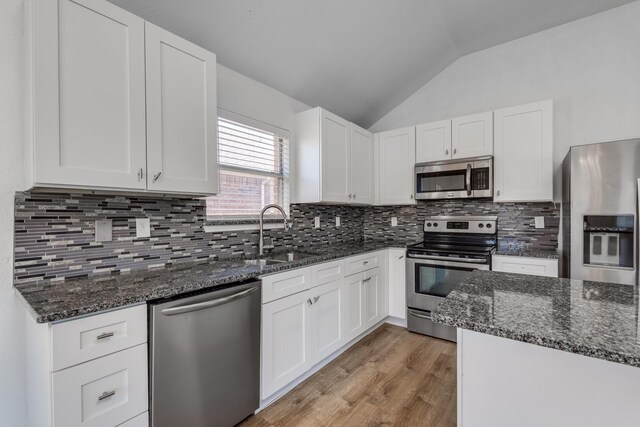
(529, 253)
(55, 301)
(593, 319)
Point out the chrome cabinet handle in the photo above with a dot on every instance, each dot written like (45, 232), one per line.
(309, 302)
(156, 176)
(498, 192)
(315, 299)
(401, 256)
(106, 395)
(354, 195)
(140, 174)
(366, 280)
(446, 151)
(104, 335)
(411, 196)
(455, 150)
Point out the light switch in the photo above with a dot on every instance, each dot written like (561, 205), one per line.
(316, 222)
(104, 230)
(394, 221)
(143, 227)
(539, 221)
(337, 221)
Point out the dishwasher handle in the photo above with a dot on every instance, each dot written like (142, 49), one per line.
(207, 304)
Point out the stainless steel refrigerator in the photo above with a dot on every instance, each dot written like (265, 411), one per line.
(600, 212)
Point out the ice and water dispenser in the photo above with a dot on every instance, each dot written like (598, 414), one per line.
(609, 240)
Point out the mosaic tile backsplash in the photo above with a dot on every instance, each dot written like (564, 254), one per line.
(516, 228)
(54, 232)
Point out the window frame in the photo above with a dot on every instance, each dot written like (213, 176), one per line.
(266, 127)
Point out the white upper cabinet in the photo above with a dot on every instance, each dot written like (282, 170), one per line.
(433, 141)
(362, 177)
(85, 89)
(181, 114)
(334, 159)
(472, 136)
(95, 119)
(396, 158)
(523, 166)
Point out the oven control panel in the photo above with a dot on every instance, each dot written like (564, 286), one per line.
(471, 224)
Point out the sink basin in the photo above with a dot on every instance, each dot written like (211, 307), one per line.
(288, 256)
(262, 262)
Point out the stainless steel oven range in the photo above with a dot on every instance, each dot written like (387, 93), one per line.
(452, 247)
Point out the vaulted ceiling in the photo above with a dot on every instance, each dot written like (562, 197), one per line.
(357, 58)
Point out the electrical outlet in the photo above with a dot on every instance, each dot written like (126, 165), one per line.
(104, 230)
(539, 220)
(337, 221)
(316, 222)
(143, 227)
(394, 221)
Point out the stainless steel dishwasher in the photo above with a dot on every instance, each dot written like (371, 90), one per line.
(205, 357)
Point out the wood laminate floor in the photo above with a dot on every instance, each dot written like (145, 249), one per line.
(391, 377)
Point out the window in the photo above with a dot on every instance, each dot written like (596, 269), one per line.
(254, 171)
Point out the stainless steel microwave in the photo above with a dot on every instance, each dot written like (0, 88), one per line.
(455, 179)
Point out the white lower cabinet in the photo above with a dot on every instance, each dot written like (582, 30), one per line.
(397, 280)
(328, 323)
(355, 298)
(141, 420)
(365, 299)
(286, 344)
(525, 265)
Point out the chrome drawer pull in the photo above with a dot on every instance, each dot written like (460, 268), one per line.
(309, 302)
(365, 262)
(315, 299)
(104, 335)
(366, 280)
(106, 395)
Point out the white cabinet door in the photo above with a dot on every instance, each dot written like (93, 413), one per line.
(328, 319)
(181, 115)
(397, 281)
(286, 343)
(433, 141)
(335, 158)
(88, 95)
(355, 299)
(472, 136)
(396, 158)
(361, 168)
(523, 163)
(371, 284)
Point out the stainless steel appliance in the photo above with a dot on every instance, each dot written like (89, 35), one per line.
(455, 179)
(452, 247)
(600, 212)
(205, 358)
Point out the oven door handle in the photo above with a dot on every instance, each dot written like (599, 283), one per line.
(467, 179)
(448, 258)
(421, 316)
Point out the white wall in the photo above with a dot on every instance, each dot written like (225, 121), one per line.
(590, 67)
(236, 93)
(12, 368)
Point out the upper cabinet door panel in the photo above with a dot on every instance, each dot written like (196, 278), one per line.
(472, 136)
(181, 115)
(362, 178)
(433, 141)
(396, 161)
(524, 153)
(88, 95)
(335, 158)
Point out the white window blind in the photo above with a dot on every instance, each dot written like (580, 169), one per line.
(254, 171)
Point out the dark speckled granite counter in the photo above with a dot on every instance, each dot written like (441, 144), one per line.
(50, 302)
(529, 253)
(589, 318)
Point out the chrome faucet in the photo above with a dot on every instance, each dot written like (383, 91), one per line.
(286, 224)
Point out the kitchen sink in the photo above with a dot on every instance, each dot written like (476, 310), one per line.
(262, 262)
(278, 258)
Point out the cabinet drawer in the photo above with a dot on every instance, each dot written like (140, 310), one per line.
(141, 420)
(327, 272)
(91, 337)
(361, 263)
(280, 285)
(525, 265)
(104, 392)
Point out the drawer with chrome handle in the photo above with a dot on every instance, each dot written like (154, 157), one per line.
(361, 263)
(77, 341)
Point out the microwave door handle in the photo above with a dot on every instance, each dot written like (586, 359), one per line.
(467, 178)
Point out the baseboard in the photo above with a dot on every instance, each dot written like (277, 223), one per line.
(324, 362)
